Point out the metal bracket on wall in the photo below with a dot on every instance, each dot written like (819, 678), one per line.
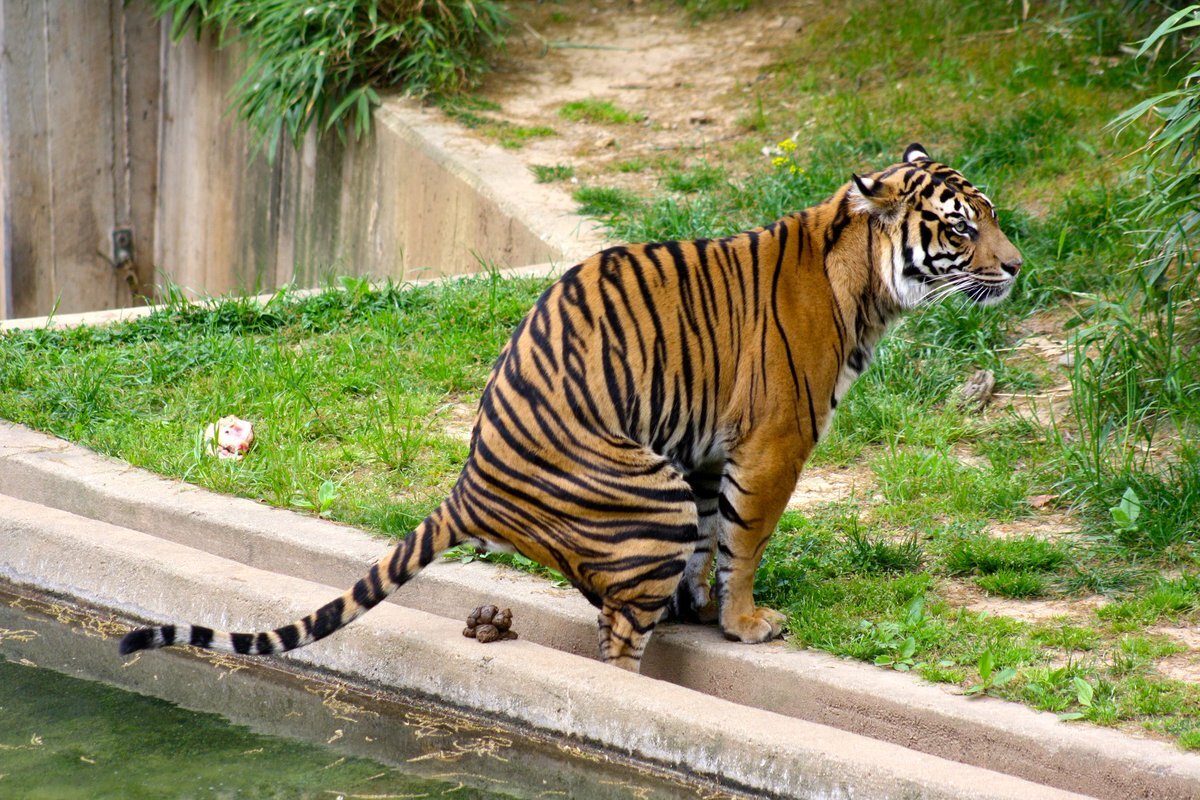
(122, 240)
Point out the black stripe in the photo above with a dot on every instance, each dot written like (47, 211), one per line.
(263, 644)
(362, 594)
(663, 570)
(427, 553)
(289, 636)
(730, 513)
(141, 639)
(787, 346)
(242, 642)
(376, 585)
(328, 619)
(812, 414)
(201, 636)
(168, 635)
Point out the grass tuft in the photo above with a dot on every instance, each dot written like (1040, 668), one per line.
(985, 555)
(597, 112)
(1012, 583)
(552, 174)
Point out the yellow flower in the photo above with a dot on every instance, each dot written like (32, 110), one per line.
(787, 145)
(779, 161)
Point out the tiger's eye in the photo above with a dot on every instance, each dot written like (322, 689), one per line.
(961, 228)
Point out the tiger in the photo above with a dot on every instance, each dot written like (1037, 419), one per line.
(644, 427)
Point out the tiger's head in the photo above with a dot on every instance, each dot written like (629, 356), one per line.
(944, 234)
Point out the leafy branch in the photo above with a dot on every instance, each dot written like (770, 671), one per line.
(321, 63)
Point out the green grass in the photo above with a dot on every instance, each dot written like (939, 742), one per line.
(629, 165)
(479, 114)
(602, 200)
(700, 178)
(514, 137)
(987, 555)
(1012, 583)
(348, 387)
(597, 111)
(545, 173)
(704, 9)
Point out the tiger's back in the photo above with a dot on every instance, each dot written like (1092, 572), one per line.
(652, 412)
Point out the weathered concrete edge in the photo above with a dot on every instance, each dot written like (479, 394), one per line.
(496, 175)
(139, 574)
(803, 684)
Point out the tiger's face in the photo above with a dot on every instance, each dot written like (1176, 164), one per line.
(945, 236)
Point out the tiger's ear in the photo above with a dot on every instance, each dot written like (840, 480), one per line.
(880, 199)
(915, 152)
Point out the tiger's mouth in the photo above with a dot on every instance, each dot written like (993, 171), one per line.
(986, 291)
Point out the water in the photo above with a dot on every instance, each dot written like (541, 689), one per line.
(77, 721)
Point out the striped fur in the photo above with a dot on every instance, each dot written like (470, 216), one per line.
(651, 414)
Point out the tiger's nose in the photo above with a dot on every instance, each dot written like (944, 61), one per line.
(1012, 267)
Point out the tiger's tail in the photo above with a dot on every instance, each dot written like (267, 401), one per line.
(434, 535)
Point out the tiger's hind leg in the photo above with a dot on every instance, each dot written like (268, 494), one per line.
(620, 525)
(624, 631)
(630, 608)
(694, 600)
(639, 571)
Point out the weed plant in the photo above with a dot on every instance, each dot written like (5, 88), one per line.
(322, 65)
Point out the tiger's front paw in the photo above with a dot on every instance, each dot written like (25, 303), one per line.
(761, 626)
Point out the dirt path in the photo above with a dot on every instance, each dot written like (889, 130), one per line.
(691, 83)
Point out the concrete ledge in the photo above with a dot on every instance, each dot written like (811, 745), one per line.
(521, 681)
(496, 176)
(802, 684)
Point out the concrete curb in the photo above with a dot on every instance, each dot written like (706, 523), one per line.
(495, 174)
(139, 574)
(803, 685)
(278, 698)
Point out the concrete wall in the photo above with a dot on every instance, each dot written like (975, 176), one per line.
(113, 126)
(66, 134)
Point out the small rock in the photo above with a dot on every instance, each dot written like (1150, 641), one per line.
(700, 118)
(1041, 500)
(605, 141)
(1067, 360)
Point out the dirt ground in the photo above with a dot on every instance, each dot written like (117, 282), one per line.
(645, 58)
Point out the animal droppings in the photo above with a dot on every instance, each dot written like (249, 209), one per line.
(489, 624)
